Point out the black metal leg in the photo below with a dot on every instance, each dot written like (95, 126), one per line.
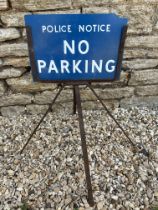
(84, 146)
(50, 107)
(142, 150)
(74, 101)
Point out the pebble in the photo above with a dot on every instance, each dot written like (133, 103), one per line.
(50, 173)
(100, 205)
(10, 172)
(114, 197)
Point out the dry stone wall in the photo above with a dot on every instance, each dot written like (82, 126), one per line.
(139, 80)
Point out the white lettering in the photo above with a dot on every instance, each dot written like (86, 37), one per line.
(49, 28)
(52, 67)
(63, 28)
(96, 66)
(107, 66)
(71, 48)
(41, 65)
(75, 66)
(94, 28)
(81, 28)
(86, 66)
(56, 28)
(65, 66)
(85, 51)
(108, 28)
(88, 28)
(101, 28)
(43, 28)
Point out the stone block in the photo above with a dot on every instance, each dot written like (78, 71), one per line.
(122, 82)
(142, 41)
(65, 96)
(95, 105)
(150, 101)
(93, 2)
(141, 53)
(11, 72)
(12, 111)
(68, 11)
(148, 90)
(86, 95)
(141, 63)
(139, 16)
(13, 49)
(16, 99)
(107, 93)
(147, 2)
(1, 62)
(33, 5)
(46, 97)
(144, 77)
(12, 20)
(96, 10)
(16, 62)
(111, 2)
(36, 109)
(2, 88)
(85, 2)
(8, 34)
(156, 26)
(24, 34)
(3, 4)
(26, 84)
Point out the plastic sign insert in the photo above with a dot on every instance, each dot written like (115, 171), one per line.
(74, 47)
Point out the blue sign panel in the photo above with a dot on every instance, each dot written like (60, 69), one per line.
(75, 47)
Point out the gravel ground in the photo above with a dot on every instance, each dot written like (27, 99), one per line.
(49, 175)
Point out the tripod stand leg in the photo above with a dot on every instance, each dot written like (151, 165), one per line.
(35, 129)
(74, 101)
(143, 150)
(84, 146)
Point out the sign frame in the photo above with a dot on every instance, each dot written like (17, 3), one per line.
(34, 69)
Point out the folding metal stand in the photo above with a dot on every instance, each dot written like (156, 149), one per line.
(77, 105)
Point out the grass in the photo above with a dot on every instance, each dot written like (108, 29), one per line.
(154, 207)
(25, 206)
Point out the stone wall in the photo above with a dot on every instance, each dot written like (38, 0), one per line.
(139, 79)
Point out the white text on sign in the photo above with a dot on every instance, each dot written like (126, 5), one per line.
(80, 28)
(74, 66)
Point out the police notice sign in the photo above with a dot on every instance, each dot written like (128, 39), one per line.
(75, 47)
